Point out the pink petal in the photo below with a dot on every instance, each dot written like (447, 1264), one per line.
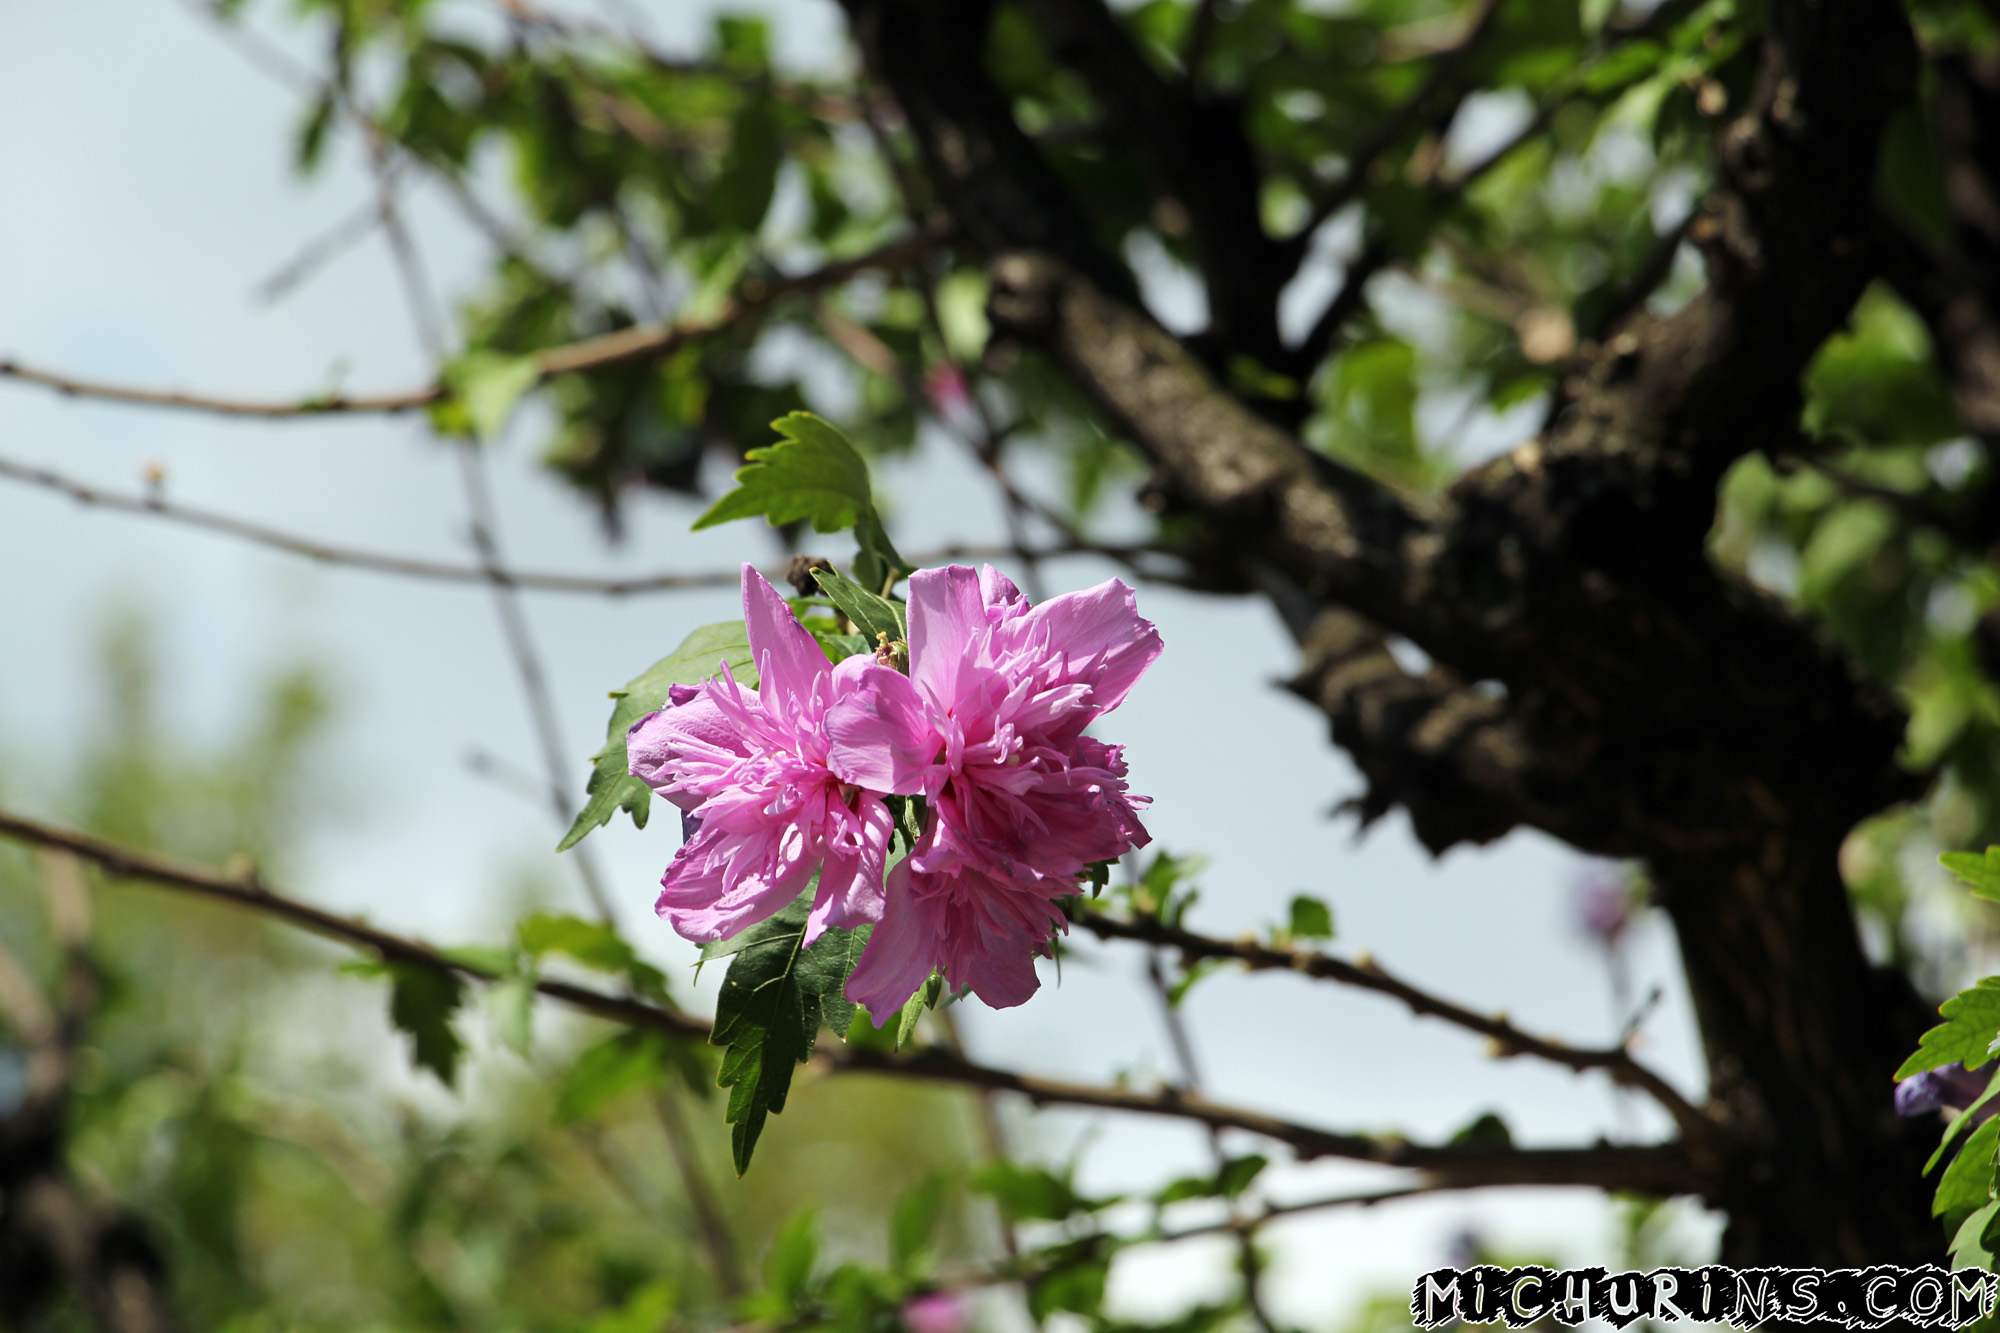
(1000, 594)
(902, 952)
(1100, 631)
(704, 900)
(850, 884)
(878, 736)
(996, 933)
(946, 610)
(788, 659)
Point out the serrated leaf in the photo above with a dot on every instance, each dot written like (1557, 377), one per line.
(488, 385)
(422, 1003)
(922, 998)
(622, 1063)
(1971, 1022)
(874, 616)
(812, 476)
(1967, 1184)
(1957, 1129)
(612, 786)
(1311, 919)
(1979, 870)
(768, 1014)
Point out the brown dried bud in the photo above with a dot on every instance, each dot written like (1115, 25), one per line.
(800, 573)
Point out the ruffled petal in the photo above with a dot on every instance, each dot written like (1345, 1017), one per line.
(788, 659)
(1107, 644)
(705, 897)
(672, 750)
(879, 737)
(946, 610)
(997, 933)
(902, 952)
(850, 883)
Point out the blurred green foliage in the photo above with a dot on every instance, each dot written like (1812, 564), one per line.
(249, 1100)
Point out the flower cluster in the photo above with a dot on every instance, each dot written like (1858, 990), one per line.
(987, 727)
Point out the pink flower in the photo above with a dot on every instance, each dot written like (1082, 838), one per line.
(936, 1312)
(988, 727)
(750, 770)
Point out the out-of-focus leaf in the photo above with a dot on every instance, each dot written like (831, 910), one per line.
(621, 1063)
(488, 385)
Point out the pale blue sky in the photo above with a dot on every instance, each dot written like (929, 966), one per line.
(147, 192)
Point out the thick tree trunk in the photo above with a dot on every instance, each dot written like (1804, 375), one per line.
(1646, 706)
(1802, 1036)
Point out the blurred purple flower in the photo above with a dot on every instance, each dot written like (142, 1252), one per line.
(1602, 900)
(1952, 1086)
(945, 389)
(936, 1312)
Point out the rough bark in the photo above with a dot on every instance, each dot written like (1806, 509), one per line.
(1596, 677)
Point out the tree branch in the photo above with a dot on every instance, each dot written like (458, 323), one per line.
(1506, 1040)
(1070, 545)
(1658, 1169)
(640, 342)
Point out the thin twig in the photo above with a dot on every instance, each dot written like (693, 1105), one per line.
(1506, 1040)
(439, 571)
(1249, 1262)
(637, 343)
(1663, 1168)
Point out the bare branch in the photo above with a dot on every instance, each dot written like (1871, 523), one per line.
(531, 580)
(1653, 1169)
(1506, 1040)
(640, 342)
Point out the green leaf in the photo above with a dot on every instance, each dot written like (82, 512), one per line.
(1033, 1193)
(1230, 1179)
(1979, 870)
(1311, 919)
(611, 786)
(422, 1003)
(1486, 1130)
(510, 1009)
(788, 1267)
(1971, 1022)
(812, 476)
(874, 616)
(1967, 1184)
(1970, 1247)
(1960, 1124)
(922, 998)
(913, 1224)
(622, 1063)
(1237, 1173)
(488, 385)
(592, 943)
(768, 1014)
(1077, 1286)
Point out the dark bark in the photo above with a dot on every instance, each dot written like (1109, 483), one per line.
(1635, 702)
